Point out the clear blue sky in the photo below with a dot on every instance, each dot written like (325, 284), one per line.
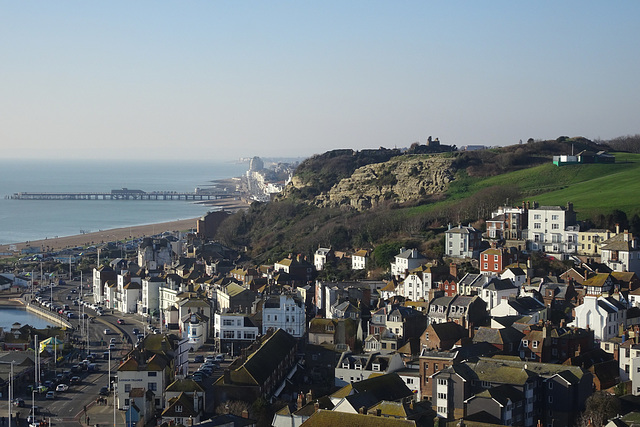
(225, 79)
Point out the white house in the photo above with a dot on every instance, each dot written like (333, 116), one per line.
(497, 290)
(516, 274)
(150, 302)
(406, 260)
(604, 315)
(463, 241)
(621, 253)
(285, 312)
(233, 331)
(320, 257)
(359, 260)
(547, 228)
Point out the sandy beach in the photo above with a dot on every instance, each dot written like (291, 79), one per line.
(118, 234)
(103, 236)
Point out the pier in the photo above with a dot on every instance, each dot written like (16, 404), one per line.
(127, 194)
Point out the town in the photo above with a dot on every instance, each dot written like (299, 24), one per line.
(483, 336)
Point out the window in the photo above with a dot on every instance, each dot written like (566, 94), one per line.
(442, 381)
(227, 322)
(228, 334)
(152, 374)
(178, 408)
(555, 226)
(126, 402)
(127, 388)
(535, 344)
(536, 225)
(554, 217)
(536, 216)
(550, 399)
(152, 386)
(550, 385)
(442, 395)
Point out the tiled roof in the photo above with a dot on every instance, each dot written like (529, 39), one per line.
(324, 418)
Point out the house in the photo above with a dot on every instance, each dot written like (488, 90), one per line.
(286, 312)
(262, 372)
(589, 241)
(154, 253)
(507, 223)
(463, 242)
(405, 261)
(359, 259)
(154, 364)
(493, 261)
(339, 333)
(185, 400)
(521, 306)
(297, 268)
(439, 310)
(496, 290)
(516, 274)
(364, 394)
(505, 340)
(467, 311)
(547, 225)
(504, 402)
(472, 284)
(321, 257)
(233, 332)
(442, 336)
(621, 253)
(352, 368)
(604, 315)
(553, 394)
(101, 276)
(232, 297)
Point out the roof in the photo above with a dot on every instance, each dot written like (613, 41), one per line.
(184, 385)
(597, 280)
(262, 362)
(324, 418)
(496, 284)
(502, 394)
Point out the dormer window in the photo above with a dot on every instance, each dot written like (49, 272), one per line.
(178, 408)
(358, 367)
(376, 367)
(345, 365)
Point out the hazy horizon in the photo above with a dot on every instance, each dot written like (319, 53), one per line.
(224, 80)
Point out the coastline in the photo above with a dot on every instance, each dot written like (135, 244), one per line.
(125, 233)
(103, 236)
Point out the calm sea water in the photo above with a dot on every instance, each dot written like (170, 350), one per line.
(9, 316)
(26, 220)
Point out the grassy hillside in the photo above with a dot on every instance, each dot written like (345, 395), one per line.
(593, 188)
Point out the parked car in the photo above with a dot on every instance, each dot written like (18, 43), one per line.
(112, 346)
(199, 358)
(18, 402)
(135, 331)
(75, 380)
(107, 331)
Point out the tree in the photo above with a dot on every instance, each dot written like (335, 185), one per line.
(600, 407)
(385, 253)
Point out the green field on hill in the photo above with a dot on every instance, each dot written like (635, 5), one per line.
(592, 188)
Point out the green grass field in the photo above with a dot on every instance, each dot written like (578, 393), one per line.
(592, 188)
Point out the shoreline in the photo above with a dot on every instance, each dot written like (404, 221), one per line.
(103, 236)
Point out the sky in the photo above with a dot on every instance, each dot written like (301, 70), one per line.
(229, 79)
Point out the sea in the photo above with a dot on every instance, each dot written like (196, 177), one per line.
(28, 220)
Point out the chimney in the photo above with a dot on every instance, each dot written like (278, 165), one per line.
(245, 414)
(300, 402)
(617, 228)
(453, 269)
(316, 406)
(310, 396)
(227, 409)
(361, 410)
(626, 235)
